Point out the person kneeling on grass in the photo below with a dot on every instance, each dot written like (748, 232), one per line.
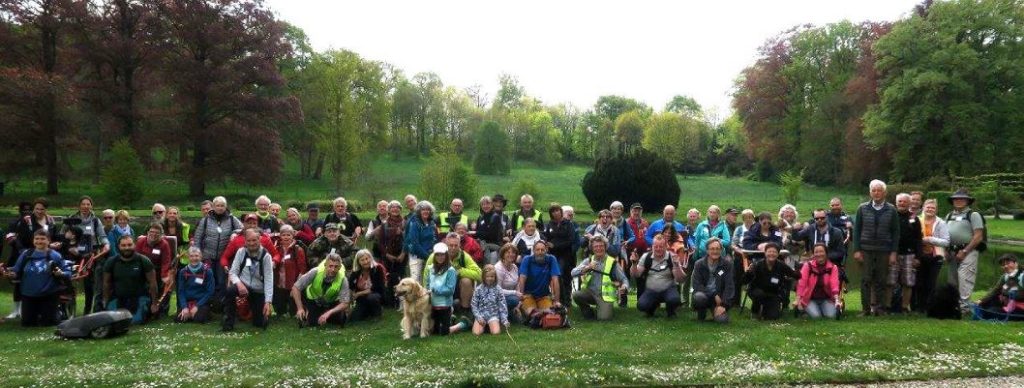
(713, 283)
(367, 284)
(768, 279)
(129, 282)
(662, 271)
(538, 279)
(603, 289)
(1006, 297)
(322, 295)
(488, 304)
(818, 289)
(467, 269)
(195, 288)
(251, 275)
(441, 280)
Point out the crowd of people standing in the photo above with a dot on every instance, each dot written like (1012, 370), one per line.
(500, 267)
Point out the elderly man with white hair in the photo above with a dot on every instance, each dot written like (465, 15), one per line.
(876, 239)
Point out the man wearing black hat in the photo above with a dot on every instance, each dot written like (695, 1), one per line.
(966, 242)
(313, 217)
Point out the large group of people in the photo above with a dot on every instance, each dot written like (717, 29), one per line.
(501, 267)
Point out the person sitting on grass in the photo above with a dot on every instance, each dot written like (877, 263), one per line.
(600, 291)
(322, 295)
(538, 279)
(251, 274)
(489, 308)
(441, 281)
(195, 288)
(662, 272)
(1006, 297)
(508, 279)
(367, 282)
(768, 279)
(468, 271)
(713, 283)
(129, 282)
(818, 292)
(39, 272)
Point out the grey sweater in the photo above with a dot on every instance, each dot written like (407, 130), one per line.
(245, 268)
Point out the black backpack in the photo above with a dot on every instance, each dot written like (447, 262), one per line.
(647, 260)
(983, 245)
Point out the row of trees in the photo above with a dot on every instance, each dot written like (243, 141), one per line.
(193, 85)
(936, 94)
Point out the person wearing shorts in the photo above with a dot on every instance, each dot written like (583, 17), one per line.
(904, 272)
(538, 279)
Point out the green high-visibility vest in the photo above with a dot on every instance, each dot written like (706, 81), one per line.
(608, 292)
(445, 227)
(315, 291)
(522, 219)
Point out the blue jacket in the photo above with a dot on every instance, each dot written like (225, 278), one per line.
(442, 287)
(197, 287)
(705, 233)
(753, 237)
(626, 232)
(420, 238)
(656, 228)
(33, 270)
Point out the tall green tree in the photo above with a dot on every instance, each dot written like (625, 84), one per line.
(492, 154)
(952, 93)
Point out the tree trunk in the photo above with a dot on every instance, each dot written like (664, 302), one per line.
(319, 167)
(201, 149)
(49, 124)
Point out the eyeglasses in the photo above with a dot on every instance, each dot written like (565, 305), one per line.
(158, 212)
(819, 218)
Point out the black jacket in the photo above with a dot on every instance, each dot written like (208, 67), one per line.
(723, 279)
(761, 277)
(835, 246)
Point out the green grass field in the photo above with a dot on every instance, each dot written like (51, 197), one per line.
(630, 350)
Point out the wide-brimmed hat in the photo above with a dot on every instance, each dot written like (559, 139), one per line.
(961, 194)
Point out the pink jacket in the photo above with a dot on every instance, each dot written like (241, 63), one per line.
(809, 279)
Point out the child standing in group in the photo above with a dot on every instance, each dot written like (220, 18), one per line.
(488, 304)
(441, 281)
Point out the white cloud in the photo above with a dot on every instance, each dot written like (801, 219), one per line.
(573, 51)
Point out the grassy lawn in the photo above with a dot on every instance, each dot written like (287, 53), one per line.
(630, 350)
(393, 179)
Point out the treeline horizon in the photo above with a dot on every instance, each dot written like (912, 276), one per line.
(220, 91)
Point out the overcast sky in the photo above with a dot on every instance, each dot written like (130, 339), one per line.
(573, 51)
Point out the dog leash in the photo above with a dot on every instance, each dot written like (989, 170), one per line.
(510, 337)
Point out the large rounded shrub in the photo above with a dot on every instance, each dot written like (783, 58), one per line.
(638, 177)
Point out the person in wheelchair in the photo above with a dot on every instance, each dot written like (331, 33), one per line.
(1005, 300)
(818, 291)
(768, 279)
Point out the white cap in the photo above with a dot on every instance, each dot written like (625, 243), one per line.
(440, 248)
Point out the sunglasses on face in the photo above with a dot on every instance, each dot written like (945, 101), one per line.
(107, 218)
(158, 212)
(819, 218)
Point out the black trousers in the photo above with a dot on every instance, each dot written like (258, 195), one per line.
(367, 306)
(767, 304)
(927, 279)
(314, 310)
(442, 317)
(566, 262)
(396, 270)
(256, 301)
(39, 310)
(283, 302)
(202, 315)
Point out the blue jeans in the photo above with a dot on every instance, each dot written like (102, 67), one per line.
(138, 306)
(650, 300)
(817, 308)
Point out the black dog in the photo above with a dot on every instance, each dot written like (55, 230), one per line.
(944, 303)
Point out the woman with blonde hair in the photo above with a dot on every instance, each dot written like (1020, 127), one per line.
(367, 282)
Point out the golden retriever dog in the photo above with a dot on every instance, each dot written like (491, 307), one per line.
(415, 308)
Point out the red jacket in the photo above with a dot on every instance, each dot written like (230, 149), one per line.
(160, 255)
(809, 279)
(470, 246)
(305, 234)
(238, 242)
(293, 265)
